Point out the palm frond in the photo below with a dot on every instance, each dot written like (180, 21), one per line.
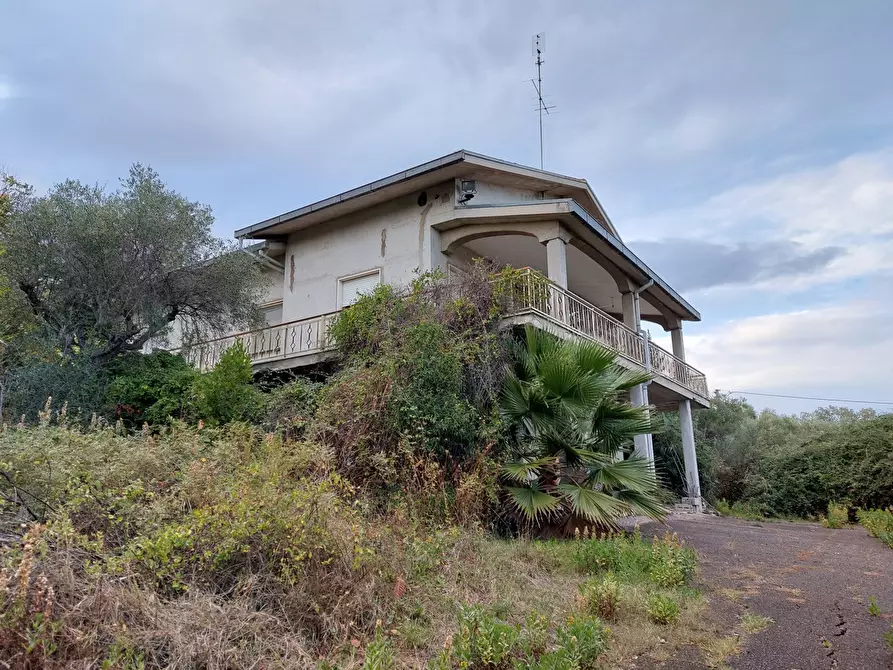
(594, 506)
(526, 470)
(593, 358)
(532, 502)
(642, 504)
(634, 474)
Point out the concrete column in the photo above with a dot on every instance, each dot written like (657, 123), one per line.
(692, 482)
(556, 261)
(678, 343)
(628, 307)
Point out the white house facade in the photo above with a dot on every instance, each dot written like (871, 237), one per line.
(444, 214)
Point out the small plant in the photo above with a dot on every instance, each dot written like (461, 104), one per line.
(672, 563)
(754, 623)
(379, 654)
(873, 608)
(662, 609)
(838, 515)
(483, 640)
(601, 597)
(888, 638)
(580, 642)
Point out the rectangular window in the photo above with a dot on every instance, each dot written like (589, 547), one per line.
(272, 313)
(351, 288)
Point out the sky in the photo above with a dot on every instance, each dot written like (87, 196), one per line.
(744, 150)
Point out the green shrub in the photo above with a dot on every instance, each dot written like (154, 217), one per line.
(482, 640)
(838, 516)
(379, 654)
(291, 406)
(154, 388)
(581, 641)
(672, 563)
(79, 384)
(741, 510)
(665, 561)
(601, 596)
(878, 522)
(662, 609)
(225, 393)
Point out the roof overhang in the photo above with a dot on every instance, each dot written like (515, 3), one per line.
(460, 164)
(588, 229)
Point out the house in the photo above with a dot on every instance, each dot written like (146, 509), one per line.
(443, 214)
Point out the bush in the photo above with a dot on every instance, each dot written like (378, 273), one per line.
(601, 597)
(665, 561)
(291, 406)
(662, 609)
(482, 640)
(410, 416)
(154, 388)
(581, 641)
(225, 393)
(878, 522)
(838, 516)
(740, 510)
(79, 384)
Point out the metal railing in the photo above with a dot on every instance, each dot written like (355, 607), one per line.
(533, 293)
(285, 340)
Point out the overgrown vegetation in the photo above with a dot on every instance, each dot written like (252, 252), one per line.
(879, 522)
(769, 465)
(346, 523)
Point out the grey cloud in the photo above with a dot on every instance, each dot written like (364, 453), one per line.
(692, 264)
(373, 87)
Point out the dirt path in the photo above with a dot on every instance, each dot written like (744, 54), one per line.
(814, 582)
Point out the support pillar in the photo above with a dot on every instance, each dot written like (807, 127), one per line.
(692, 481)
(556, 261)
(678, 343)
(637, 395)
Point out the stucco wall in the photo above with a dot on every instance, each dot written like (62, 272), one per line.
(395, 236)
(496, 194)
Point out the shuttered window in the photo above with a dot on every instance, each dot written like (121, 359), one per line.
(353, 287)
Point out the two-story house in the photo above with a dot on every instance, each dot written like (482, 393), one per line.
(443, 214)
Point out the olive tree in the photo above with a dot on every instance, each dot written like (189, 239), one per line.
(104, 272)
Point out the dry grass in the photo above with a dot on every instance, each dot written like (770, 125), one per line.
(754, 623)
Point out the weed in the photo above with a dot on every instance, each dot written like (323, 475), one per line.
(741, 510)
(878, 522)
(888, 638)
(601, 596)
(662, 609)
(482, 640)
(838, 515)
(379, 654)
(755, 623)
(873, 608)
(581, 641)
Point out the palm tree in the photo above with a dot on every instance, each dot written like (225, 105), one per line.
(566, 404)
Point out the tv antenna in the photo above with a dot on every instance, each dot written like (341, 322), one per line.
(539, 46)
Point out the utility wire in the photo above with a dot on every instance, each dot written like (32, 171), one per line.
(807, 397)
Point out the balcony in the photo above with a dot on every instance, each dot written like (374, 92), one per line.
(532, 299)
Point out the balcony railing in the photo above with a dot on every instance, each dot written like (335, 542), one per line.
(533, 294)
(265, 345)
(530, 293)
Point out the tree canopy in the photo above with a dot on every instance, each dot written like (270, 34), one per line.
(105, 272)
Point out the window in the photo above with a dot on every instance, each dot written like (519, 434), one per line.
(351, 288)
(272, 313)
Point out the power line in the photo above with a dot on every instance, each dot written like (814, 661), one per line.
(807, 397)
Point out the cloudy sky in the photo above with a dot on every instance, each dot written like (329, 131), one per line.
(743, 149)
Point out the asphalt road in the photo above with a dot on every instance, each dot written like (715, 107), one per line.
(813, 581)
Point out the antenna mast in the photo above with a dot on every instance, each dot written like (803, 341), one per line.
(539, 46)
